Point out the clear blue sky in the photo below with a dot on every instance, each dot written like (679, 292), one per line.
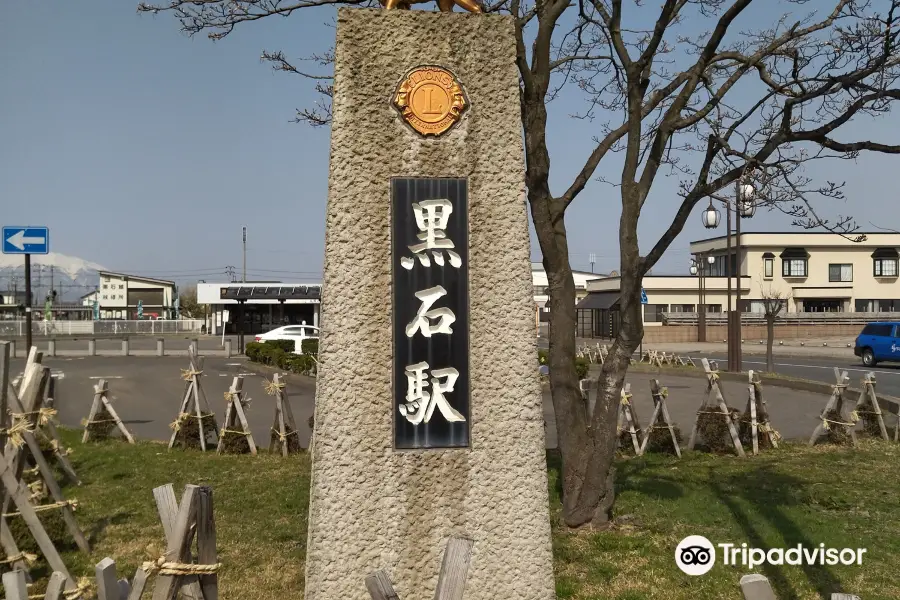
(146, 151)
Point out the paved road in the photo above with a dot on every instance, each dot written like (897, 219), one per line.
(794, 413)
(822, 369)
(148, 392)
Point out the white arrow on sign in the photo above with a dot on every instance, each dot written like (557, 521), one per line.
(20, 241)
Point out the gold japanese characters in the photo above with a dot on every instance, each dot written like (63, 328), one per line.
(430, 100)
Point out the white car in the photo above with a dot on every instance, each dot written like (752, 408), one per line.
(297, 333)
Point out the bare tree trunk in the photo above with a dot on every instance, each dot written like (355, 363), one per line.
(770, 340)
(573, 437)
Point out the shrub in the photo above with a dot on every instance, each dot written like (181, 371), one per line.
(310, 347)
(285, 345)
(253, 350)
(297, 363)
(582, 366)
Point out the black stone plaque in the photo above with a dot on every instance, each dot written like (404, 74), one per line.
(430, 226)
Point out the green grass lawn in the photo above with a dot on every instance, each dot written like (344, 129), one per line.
(840, 497)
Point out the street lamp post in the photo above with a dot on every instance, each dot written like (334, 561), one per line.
(744, 208)
(697, 269)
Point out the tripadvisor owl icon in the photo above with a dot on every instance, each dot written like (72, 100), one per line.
(695, 555)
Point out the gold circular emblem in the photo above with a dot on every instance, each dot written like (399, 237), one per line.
(430, 100)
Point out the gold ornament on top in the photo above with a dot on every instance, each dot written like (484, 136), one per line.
(473, 6)
(430, 100)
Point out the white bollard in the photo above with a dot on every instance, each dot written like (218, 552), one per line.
(228, 348)
(51, 348)
(125, 347)
(160, 347)
(92, 347)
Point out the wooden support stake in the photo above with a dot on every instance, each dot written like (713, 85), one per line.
(178, 547)
(138, 584)
(168, 509)
(380, 587)
(713, 387)
(659, 410)
(868, 400)
(835, 402)
(8, 542)
(234, 411)
(15, 585)
(4, 392)
(55, 587)
(19, 494)
(107, 580)
(756, 587)
(451, 583)
(206, 542)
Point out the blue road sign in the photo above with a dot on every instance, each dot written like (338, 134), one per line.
(26, 240)
(643, 296)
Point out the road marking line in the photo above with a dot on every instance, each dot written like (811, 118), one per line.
(106, 377)
(234, 364)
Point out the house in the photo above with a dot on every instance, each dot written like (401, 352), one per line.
(119, 294)
(810, 272)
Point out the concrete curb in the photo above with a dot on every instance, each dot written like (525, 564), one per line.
(889, 403)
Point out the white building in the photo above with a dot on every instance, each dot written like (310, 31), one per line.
(542, 292)
(265, 305)
(118, 296)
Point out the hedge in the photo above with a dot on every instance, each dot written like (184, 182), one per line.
(280, 354)
(582, 366)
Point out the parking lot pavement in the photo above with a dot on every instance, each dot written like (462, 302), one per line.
(147, 392)
(794, 414)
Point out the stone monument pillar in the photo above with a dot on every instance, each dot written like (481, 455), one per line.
(428, 419)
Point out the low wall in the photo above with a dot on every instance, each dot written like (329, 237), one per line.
(717, 333)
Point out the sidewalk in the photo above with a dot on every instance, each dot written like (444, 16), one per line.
(832, 348)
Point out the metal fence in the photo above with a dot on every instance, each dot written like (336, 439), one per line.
(785, 318)
(111, 327)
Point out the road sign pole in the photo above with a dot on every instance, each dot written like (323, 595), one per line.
(27, 304)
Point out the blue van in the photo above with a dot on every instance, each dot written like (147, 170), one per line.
(878, 342)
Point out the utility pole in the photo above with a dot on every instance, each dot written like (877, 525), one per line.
(27, 304)
(51, 286)
(593, 259)
(244, 276)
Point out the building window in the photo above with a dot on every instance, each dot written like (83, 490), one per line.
(104, 297)
(121, 296)
(653, 313)
(840, 273)
(769, 264)
(121, 286)
(713, 308)
(794, 262)
(793, 267)
(105, 286)
(885, 267)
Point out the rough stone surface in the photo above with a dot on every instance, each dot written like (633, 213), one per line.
(373, 507)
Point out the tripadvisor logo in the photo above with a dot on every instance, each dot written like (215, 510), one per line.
(696, 555)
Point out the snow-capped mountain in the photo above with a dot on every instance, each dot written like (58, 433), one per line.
(70, 276)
